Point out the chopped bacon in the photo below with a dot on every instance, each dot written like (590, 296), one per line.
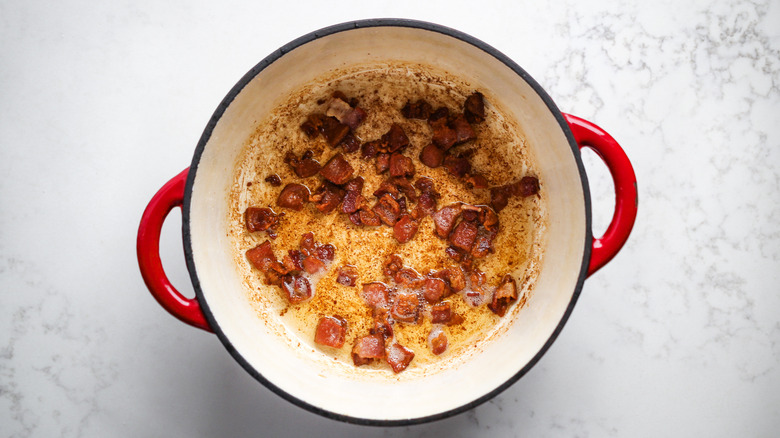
(438, 115)
(456, 278)
(327, 197)
(382, 162)
(457, 166)
(453, 253)
(350, 143)
(304, 167)
(331, 331)
(355, 184)
(354, 118)
(505, 294)
(337, 170)
(396, 138)
(333, 130)
(463, 130)
(325, 252)
(312, 265)
(474, 108)
(352, 202)
(406, 276)
(499, 197)
(483, 244)
(274, 180)
(435, 289)
(438, 340)
(387, 209)
(406, 307)
(432, 156)
(382, 325)
(297, 288)
(295, 260)
(307, 244)
(441, 313)
(261, 256)
(443, 136)
(371, 149)
(392, 264)
(463, 236)
(293, 196)
(313, 125)
(445, 218)
(368, 348)
(405, 228)
(347, 276)
(527, 186)
(260, 219)
(477, 181)
(399, 357)
(376, 294)
(417, 110)
(401, 165)
(369, 218)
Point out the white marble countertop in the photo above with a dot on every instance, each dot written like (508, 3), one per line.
(102, 102)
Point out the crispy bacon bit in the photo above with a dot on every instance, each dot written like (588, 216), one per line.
(417, 110)
(432, 156)
(376, 294)
(438, 340)
(261, 256)
(505, 294)
(399, 357)
(260, 219)
(293, 196)
(441, 313)
(438, 115)
(333, 130)
(443, 136)
(274, 180)
(312, 265)
(528, 185)
(369, 218)
(499, 197)
(401, 165)
(331, 331)
(435, 289)
(296, 260)
(307, 244)
(453, 253)
(405, 228)
(297, 288)
(387, 209)
(347, 276)
(477, 181)
(445, 218)
(325, 252)
(406, 276)
(382, 163)
(327, 197)
(483, 244)
(457, 166)
(337, 170)
(474, 108)
(350, 143)
(396, 138)
(406, 307)
(304, 167)
(338, 108)
(382, 326)
(352, 202)
(463, 130)
(457, 278)
(370, 149)
(354, 118)
(392, 264)
(368, 348)
(313, 125)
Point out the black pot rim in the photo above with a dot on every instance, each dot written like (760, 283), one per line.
(379, 22)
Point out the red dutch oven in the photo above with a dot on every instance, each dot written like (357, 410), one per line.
(300, 374)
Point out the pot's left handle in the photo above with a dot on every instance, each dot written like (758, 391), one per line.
(148, 248)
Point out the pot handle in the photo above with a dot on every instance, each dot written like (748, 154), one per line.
(148, 248)
(586, 134)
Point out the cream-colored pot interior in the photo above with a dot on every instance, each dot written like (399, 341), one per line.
(299, 373)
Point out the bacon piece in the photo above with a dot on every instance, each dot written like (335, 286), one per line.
(295, 258)
(387, 209)
(274, 180)
(499, 197)
(406, 307)
(354, 118)
(432, 156)
(441, 313)
(406, 276)
(368, 348)
(313, 125)
(261, 256)
(464, 235)
(438, 341)
(445, 218)
(483, 244)
(443, 136)
(297, 288)
(293, 196)
(453, 253)
(392, 265)
(417, 110)
(347, 276)
(396, 138)
(405, 228)
(371, 149)
(457, 166)
(376, 294)
(527, 186)
(337, 170)
(456, 278)
(325, 252)
(438, 115)
(399, 357)
(382, 163)
(307, 244)
(304, 167)
(260, 219)
(382, 326)
(333, 130)
(327, 197)
(331, 331)
(369, 218)
(435, 289)
(463, 130)
(474, 108)
(477, 181)
(350, 143)
(312, 265)
(505, 294)
(401, 165)
(352, 202)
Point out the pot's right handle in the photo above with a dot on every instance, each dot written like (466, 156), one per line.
(626, 201)
(169, 196)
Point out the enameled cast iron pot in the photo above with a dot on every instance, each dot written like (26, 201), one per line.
(221, 306)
